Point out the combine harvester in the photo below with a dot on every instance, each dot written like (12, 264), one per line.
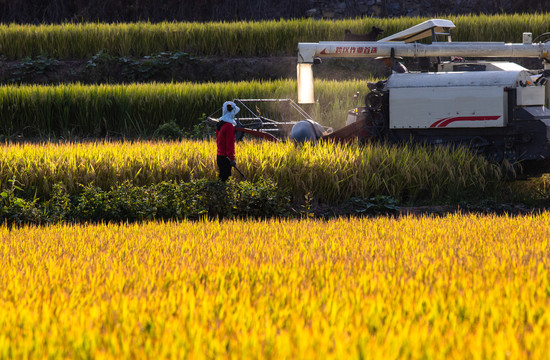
(498, 108)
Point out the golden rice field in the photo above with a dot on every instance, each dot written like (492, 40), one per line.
(454, 287)
(330, 172)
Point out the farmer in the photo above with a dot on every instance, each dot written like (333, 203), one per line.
(225, 138)
(396, 66)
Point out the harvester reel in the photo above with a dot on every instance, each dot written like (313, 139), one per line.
(546, 34)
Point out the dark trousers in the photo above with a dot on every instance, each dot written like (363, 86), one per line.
(224, 164)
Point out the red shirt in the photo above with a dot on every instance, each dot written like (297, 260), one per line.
(225, 139)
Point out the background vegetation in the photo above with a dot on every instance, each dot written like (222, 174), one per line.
(52, 11)
(266, 38)
(55, 11)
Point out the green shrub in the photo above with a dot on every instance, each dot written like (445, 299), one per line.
(16, 209)
(32, 68)
(260, 198)
(169, 131)
(165, 200)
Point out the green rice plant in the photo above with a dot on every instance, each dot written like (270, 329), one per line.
(139, 109)
(329, 172)
(264, 38)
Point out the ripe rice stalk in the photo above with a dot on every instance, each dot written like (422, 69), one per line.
(450, 287)
(330, 172)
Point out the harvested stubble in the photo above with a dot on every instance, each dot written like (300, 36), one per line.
(329, 172)
(454, 287)
(266, 38)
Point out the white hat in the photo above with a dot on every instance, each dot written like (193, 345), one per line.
(229, 115)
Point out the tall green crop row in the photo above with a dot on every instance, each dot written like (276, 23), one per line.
(329, 172)
(138, 109)
(266, 38)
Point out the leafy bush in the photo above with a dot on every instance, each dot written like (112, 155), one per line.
(103, 66)
(146, 68)
(201, 131)
(168, 131)
(32, 67)
(15, 209)
(165, 200)
(124, 202)
(59, 204)
(260, 198)
(376, 205)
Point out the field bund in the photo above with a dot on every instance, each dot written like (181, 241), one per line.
(453, 287)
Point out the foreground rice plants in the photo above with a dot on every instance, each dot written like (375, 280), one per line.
(452, 287)
(138, 109)
(266, 38)
(329, 172)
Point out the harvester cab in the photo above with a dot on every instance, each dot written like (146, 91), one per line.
(499, 108)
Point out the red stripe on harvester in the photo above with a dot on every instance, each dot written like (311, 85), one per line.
(447, 121)
(437, 122)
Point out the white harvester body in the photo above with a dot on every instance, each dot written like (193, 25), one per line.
(477, 99)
